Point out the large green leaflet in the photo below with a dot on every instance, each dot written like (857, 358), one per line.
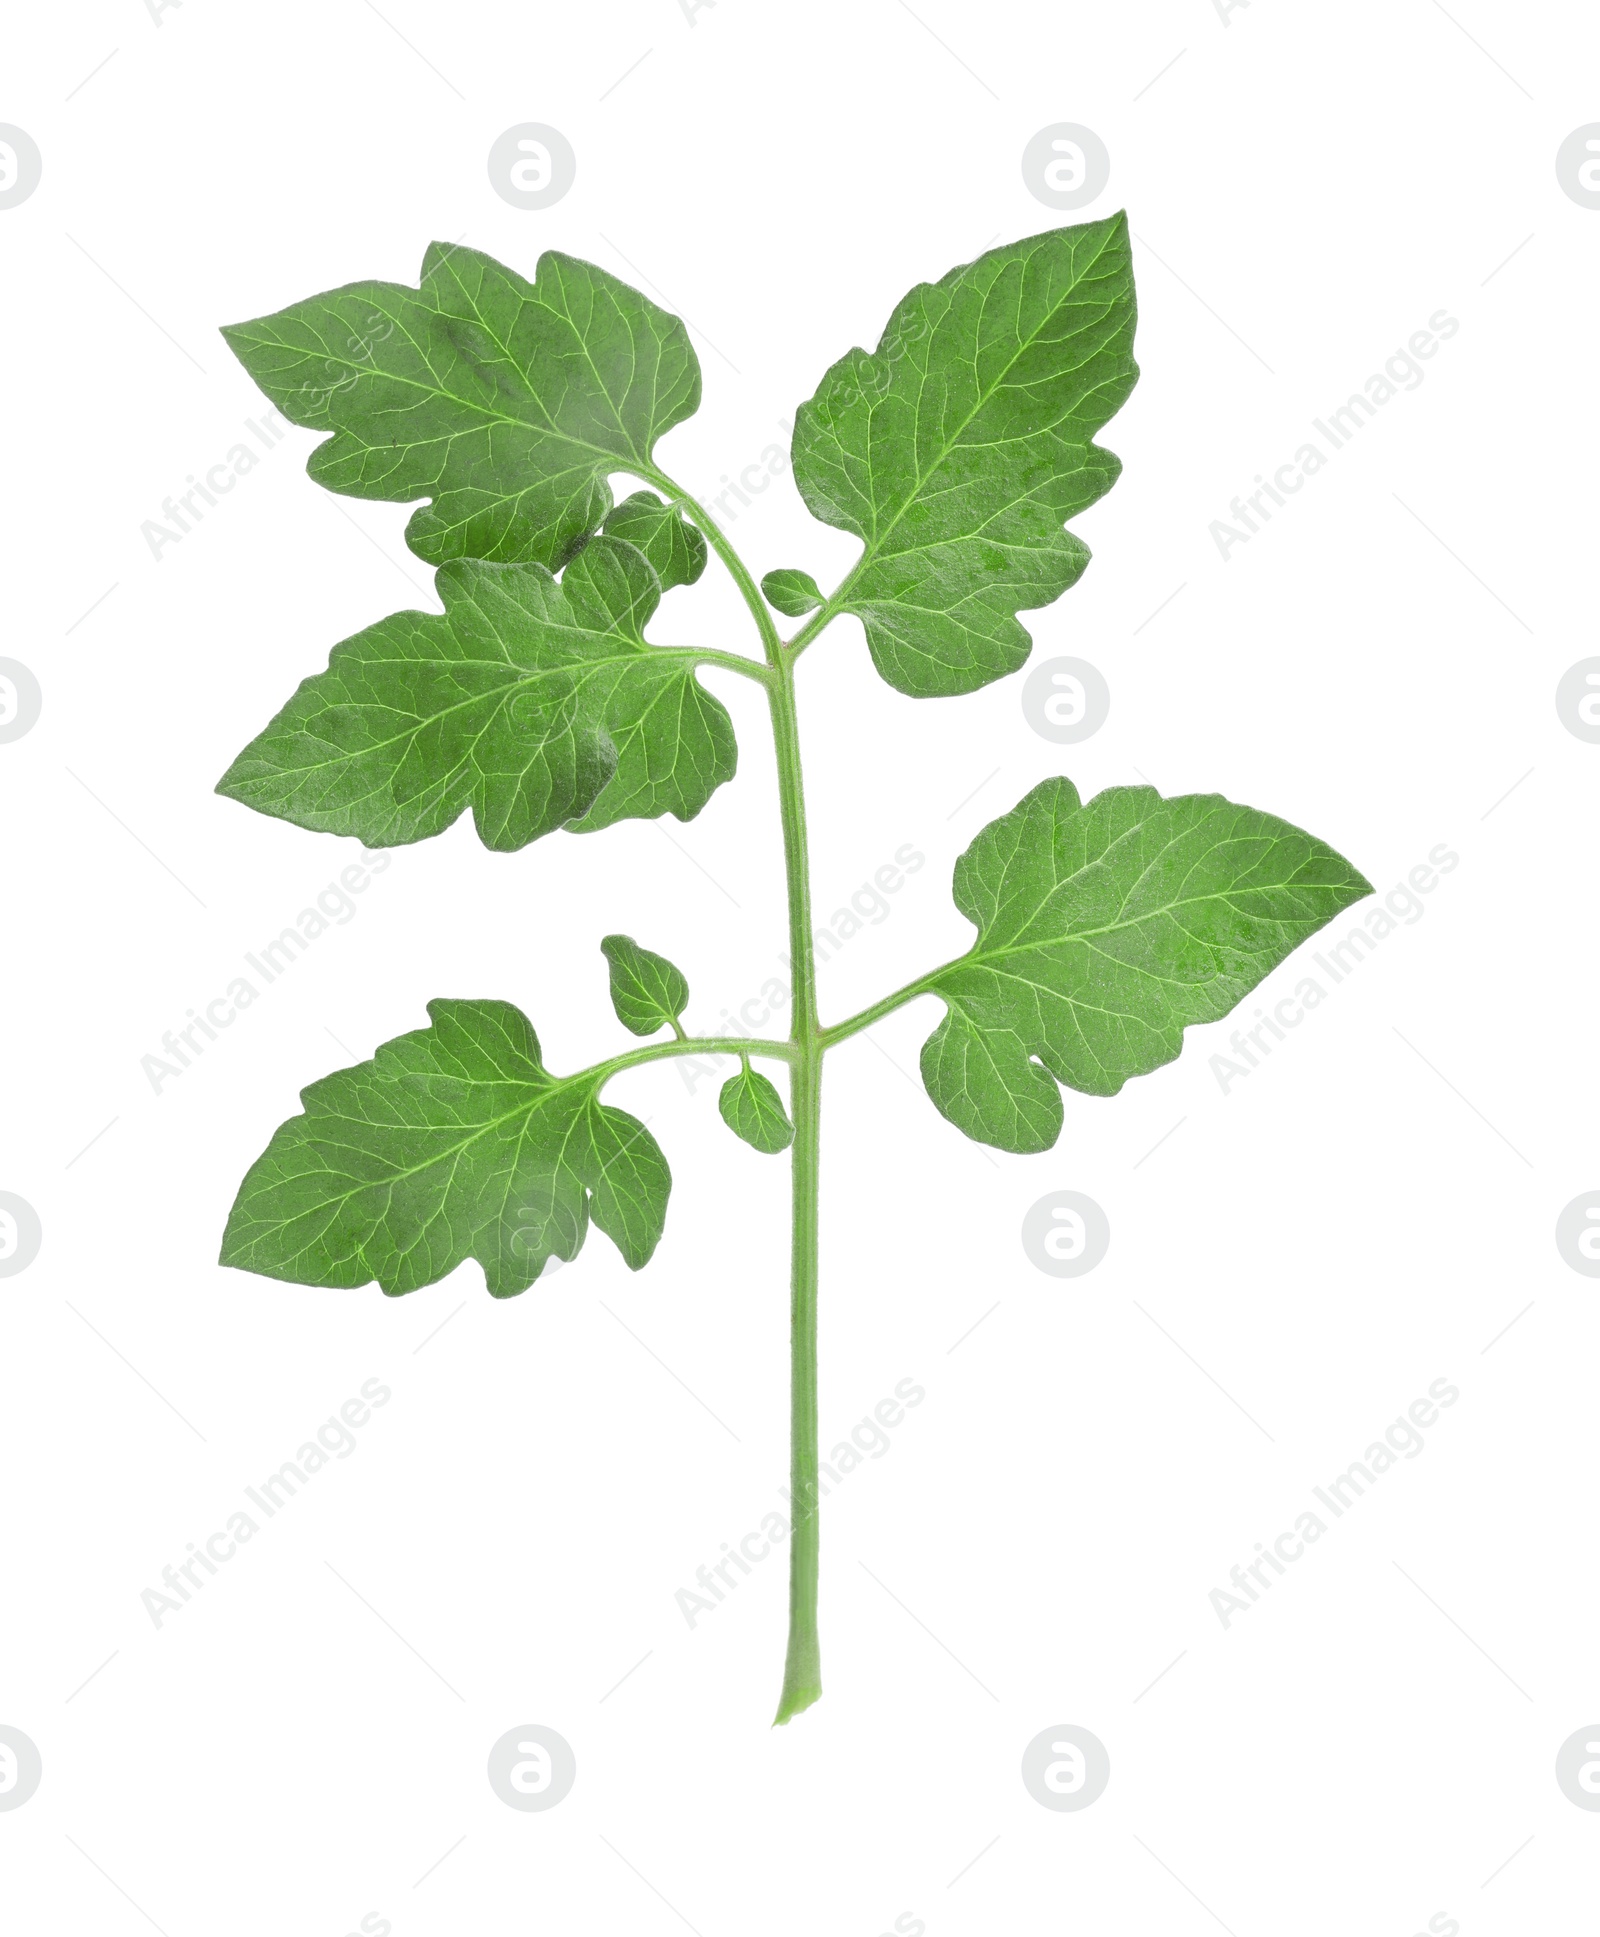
(957, 449)
(535, 702)
(454, 1142)
(1105, 930)
(505, 402)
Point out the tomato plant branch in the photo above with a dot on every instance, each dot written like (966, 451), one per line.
(1102, 928)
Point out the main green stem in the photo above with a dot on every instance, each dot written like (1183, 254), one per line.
(802, 1673)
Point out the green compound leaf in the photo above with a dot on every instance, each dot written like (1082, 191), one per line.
(956, 450)
(536, 703)
(647, 992)
(676, 549)
(505, 402)
(454, 1142)
(1105, 930)
(752, 1108)
(790, 592)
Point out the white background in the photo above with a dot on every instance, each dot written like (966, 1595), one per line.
(1365, 1213)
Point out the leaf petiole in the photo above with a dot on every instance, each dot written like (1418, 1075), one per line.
(824, 615)
(735, 662)
(771, 644)
(874, 1012)
(602, 1073)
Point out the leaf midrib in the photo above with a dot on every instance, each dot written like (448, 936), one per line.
(452, 1153)
(489, 416)
(495, 700)
(986, 955)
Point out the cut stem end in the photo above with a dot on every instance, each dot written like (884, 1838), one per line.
(802, 1685)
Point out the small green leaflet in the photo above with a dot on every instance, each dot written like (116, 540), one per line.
(675, 549)
(647, 992)
(956, 450)
(454, 1142)
(752, 1108)
(505, 402)
(791, 592)
(1105, 930)
(538, 704)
